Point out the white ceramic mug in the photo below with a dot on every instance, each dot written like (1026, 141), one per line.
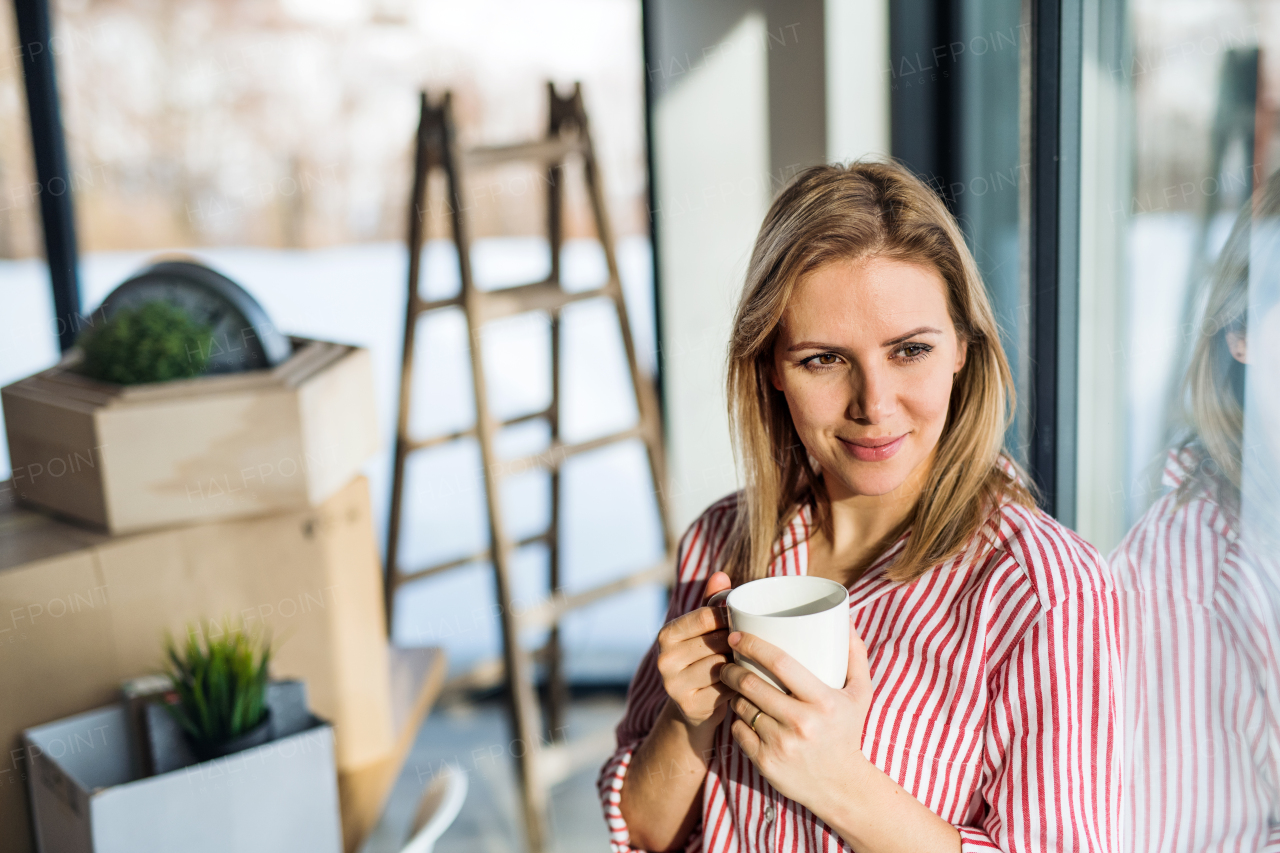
(806, 617)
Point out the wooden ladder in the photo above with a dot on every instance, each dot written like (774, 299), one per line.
(542, 763)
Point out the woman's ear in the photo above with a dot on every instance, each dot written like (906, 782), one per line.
(1238, 347)
(962, 352)
(770, 368)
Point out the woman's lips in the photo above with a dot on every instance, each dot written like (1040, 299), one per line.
(873, 449)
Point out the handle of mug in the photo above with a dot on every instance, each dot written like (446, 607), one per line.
(718, 598)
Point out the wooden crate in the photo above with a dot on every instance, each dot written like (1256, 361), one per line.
(81, 611)
(132, 458)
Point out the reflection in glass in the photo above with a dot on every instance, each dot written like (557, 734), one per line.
(1200, 581)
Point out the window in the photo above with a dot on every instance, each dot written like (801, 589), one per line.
(273, 143)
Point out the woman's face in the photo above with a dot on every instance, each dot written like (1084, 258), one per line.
(866, 356)
(1260, 350)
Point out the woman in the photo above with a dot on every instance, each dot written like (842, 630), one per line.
(1198, 577)
(869, 396)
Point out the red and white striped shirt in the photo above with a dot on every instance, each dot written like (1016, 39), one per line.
(1202, 704)
(995, 695)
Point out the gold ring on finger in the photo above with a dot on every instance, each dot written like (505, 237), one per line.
(753, 719)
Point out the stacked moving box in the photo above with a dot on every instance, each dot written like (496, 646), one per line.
(225, 498)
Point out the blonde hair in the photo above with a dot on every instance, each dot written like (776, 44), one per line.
(1213, 389)
(856, 212)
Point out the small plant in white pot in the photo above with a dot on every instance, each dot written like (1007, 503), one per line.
(221, 689)
(284, 795)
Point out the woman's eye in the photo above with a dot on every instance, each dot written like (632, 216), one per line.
(826, 359)
(914, 352)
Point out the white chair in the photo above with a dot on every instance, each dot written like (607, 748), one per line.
(437, 809)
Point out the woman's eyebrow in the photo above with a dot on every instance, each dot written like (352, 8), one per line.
(803, 345)
(923, 330)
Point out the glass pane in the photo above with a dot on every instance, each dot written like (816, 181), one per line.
(1179, 434)
(992, 172)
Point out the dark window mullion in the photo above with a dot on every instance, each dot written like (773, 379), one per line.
(1054, 269)
(49, 147)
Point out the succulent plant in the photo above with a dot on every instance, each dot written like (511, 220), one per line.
(221, 684)
(151, 342)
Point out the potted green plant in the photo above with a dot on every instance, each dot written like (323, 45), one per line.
(221, 690)
(152, 342)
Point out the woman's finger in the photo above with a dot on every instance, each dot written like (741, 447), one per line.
(679, 646)
(715, 643)
(746, 711)
(761, 693)
(721, 693)
(686, 654)
(747, 738)
(702, 620)
(786, 670)
(702, 672)
(858, 682)
(718, 582)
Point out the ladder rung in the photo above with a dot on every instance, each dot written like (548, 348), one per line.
(421, 307)
(555, 455)
(542, 150)
(550, 610)
(491, 672)
(470, 432)
(531, 416)
(483, 554)
(485, 675)
(558, 761)
(437, 440)
(419, 574)
(539, 296)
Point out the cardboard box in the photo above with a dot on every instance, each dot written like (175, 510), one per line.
(132, 458)
(87, 795)
(81, 611)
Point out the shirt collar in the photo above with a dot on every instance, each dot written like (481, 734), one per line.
(795, 541)
(873, 583)
(1005, 464)
(1178, 465)
(1183, 464)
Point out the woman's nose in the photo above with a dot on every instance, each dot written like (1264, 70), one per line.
(872, 398)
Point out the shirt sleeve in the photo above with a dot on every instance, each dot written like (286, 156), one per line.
(1052, 772)
(1244, 603)
(646, 694)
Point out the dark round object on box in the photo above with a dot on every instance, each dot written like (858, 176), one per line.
(256, 736)
(153, 342)
(243, 337)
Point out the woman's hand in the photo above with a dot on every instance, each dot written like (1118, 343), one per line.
(691, 651)
(809, 744)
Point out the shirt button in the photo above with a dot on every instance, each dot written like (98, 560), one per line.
(768, 814)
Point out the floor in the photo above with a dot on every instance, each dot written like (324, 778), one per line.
(474, 736)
